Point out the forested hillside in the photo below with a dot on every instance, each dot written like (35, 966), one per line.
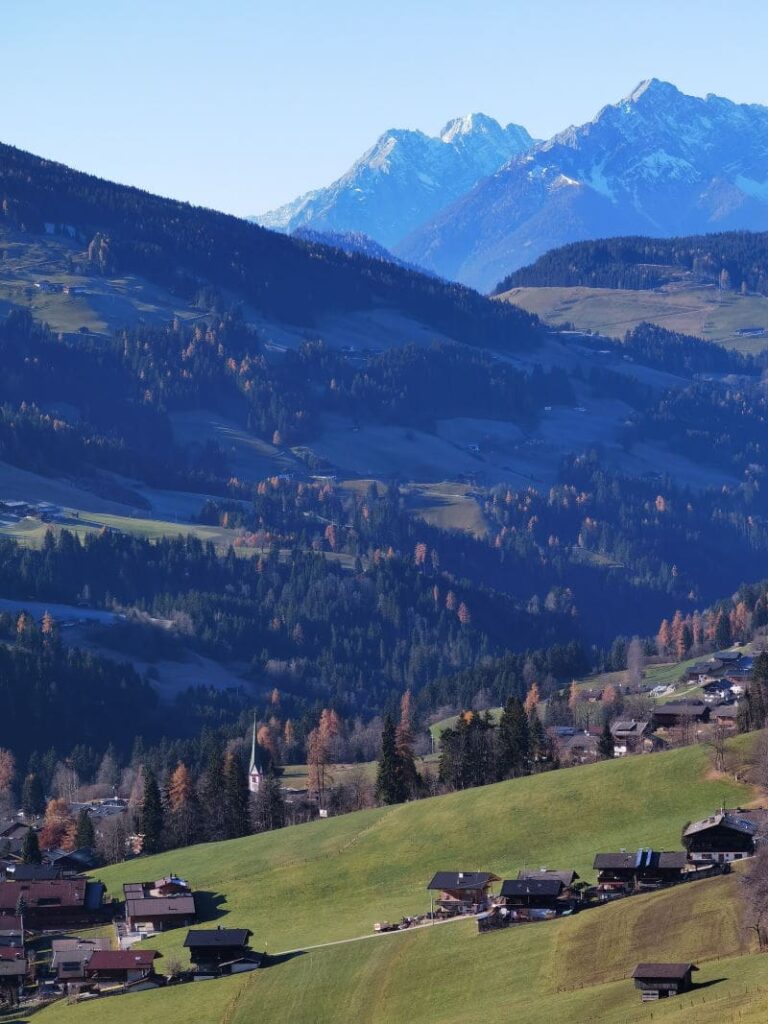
(190, 249)
(733, 259)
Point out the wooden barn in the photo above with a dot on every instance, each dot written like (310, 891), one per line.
(658, 981)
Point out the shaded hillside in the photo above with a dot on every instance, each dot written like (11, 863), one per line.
(188, 248)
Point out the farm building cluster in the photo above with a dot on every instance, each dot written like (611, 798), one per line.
(721, 682)
(44, 907)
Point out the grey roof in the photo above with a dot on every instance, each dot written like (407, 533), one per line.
(566, 877)
(531, 887)
(641, 860)
(32, 873)
(672, 971)
(729, 821)
(726, 711)
(13, 968)
(462, 880)
(629, 727)
(210, 937)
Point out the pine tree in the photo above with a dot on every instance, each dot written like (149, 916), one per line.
(85, 836)
(151, 815)
(32, 796)
(236, 811)
(30, 848)
(605, 742)
(390, 788)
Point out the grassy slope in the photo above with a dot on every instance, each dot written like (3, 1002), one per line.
(332, 879)
(698, 311)
(571, 970)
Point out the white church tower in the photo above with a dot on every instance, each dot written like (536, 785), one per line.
(255, 774)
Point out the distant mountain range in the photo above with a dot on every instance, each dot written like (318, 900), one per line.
(404, 180)
(658, 162)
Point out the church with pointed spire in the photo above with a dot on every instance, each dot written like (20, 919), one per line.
(255, 773)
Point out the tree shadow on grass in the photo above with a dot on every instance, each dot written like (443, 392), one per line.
(209, 905)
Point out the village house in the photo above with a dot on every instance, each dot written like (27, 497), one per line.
(13, 974)
(70, 957)
(667, 716)
(107, 967)
(29, 873)
(11, 932)
(568, 878)
(619, 874)
(704, 670)
(631, 737)
(217, 951)
(530, 898)
(726, 715)
(158, 913)
(575, 746)
(658, 981)
(462, 892)
(720, 838)
(61, 903)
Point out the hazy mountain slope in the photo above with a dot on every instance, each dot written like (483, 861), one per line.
(658, 162)
(404, 179)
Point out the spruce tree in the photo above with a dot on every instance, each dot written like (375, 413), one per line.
(236, 798)
(85, 835)
(32, 796)
(514, 740)
(212, 787)
(268, 805)
(151, 814)
(390, 787)
(30, 848)
(605, 743)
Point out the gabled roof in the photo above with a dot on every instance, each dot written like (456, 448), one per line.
(121, 959)
(640, 860)
(671, 971)
(566, 877)
(629, 727)
(531, 887)
(160, 906)
(462, 880)
(209, 937)
(721, 819)
(32, 873)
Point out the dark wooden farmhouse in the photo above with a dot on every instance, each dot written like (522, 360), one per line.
(621, 873)
(61, 903)
(631, 736)
(462, 892)
(568, 878)
(667, 716)
(722, 838)
(657, 981)
(529, 898)
(216, 951)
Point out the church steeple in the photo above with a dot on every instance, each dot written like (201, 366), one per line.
(255, 774)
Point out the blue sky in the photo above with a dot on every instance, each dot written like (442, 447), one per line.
(241, 106)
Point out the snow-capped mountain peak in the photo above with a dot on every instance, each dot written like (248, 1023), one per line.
(404, 179)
